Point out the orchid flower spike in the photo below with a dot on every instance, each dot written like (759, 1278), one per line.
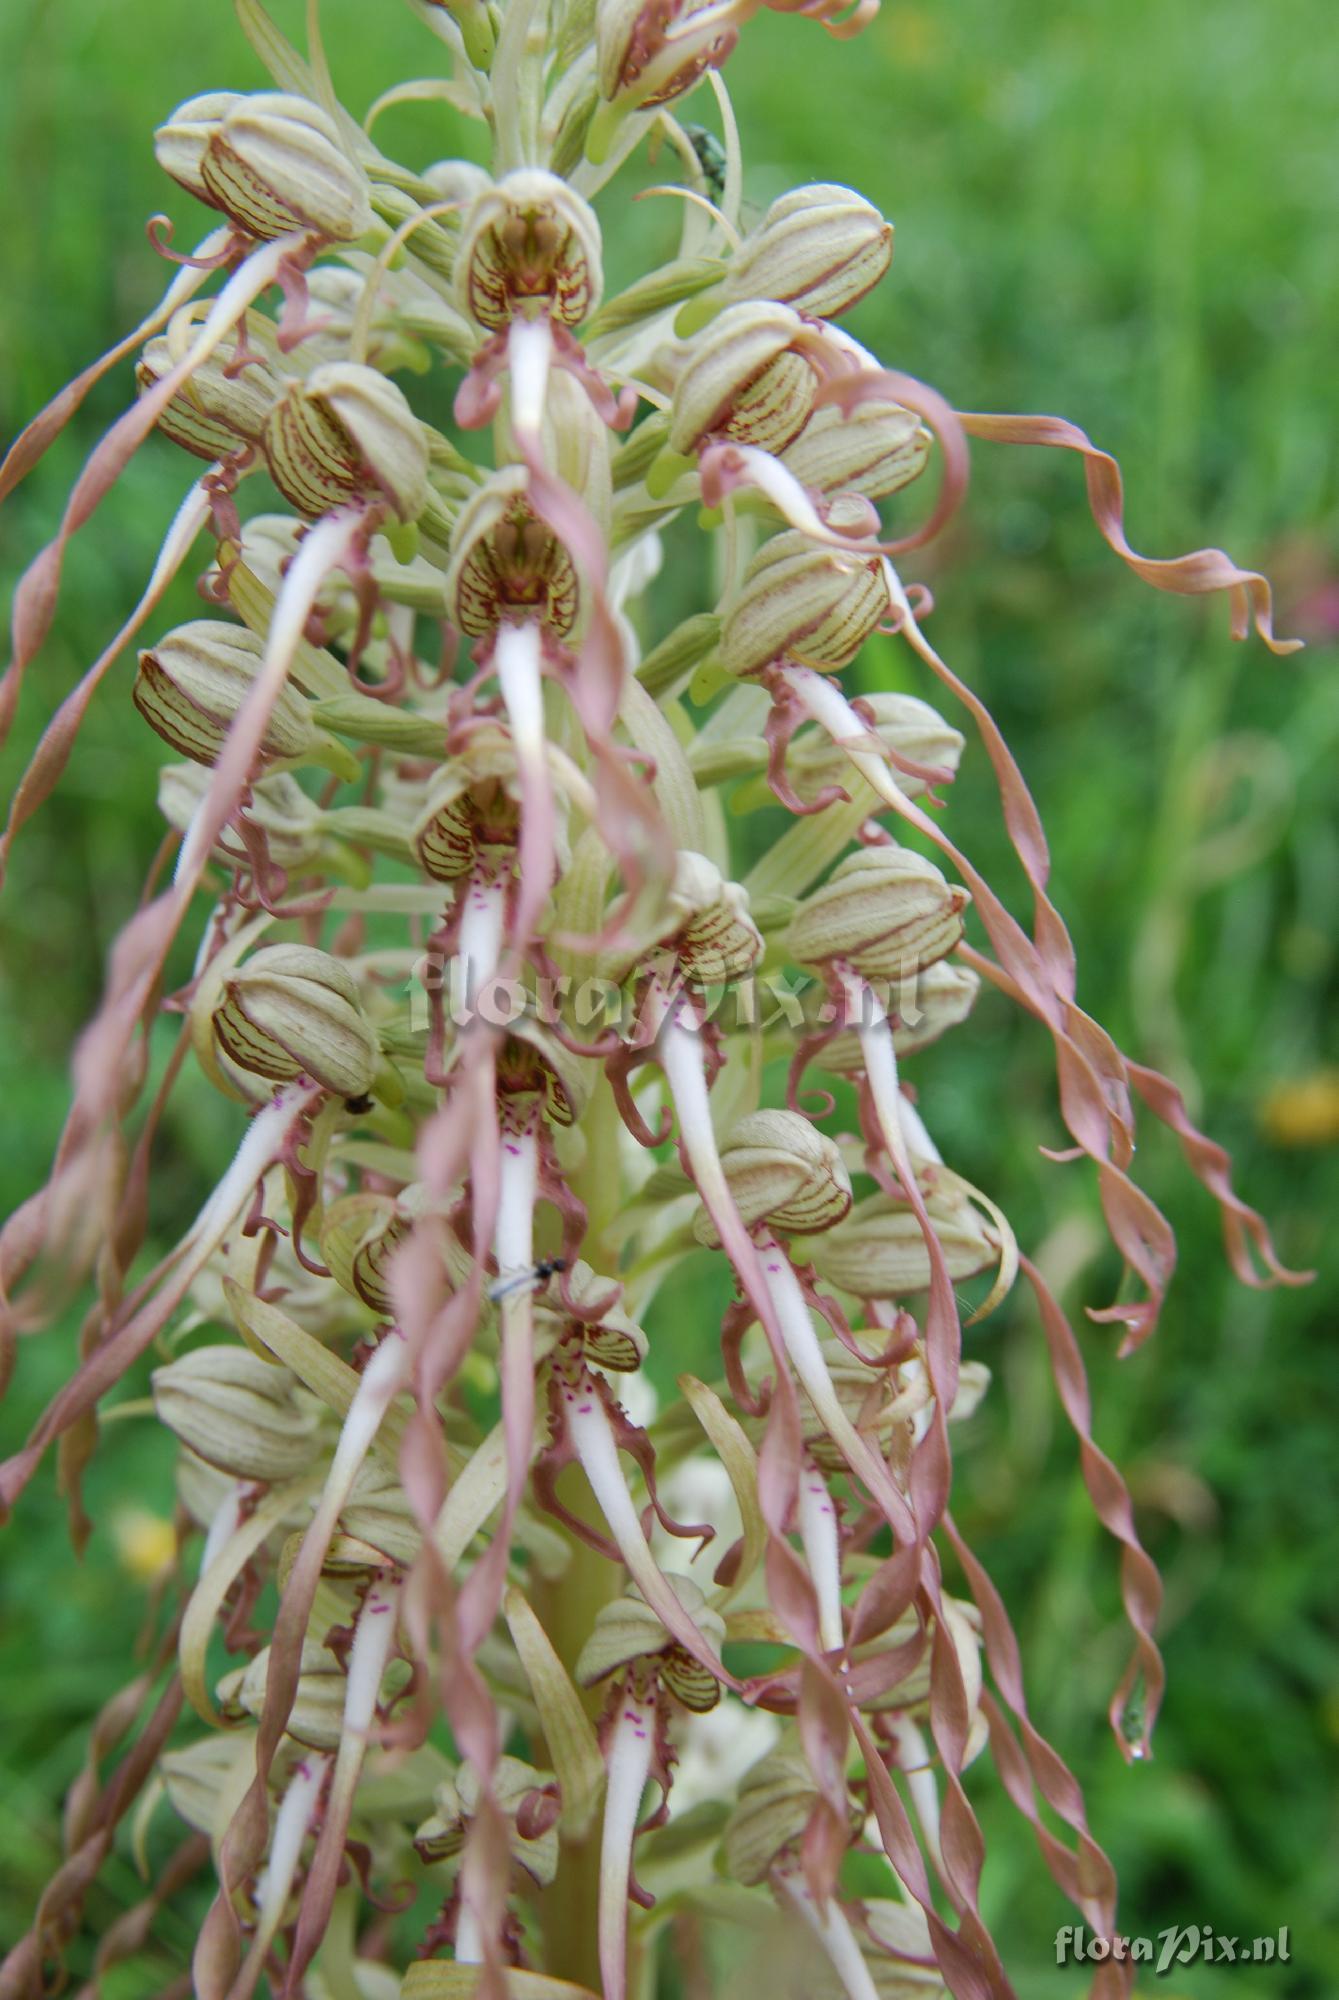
(575, 1167)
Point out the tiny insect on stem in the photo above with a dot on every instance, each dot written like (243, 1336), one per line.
(537, 1275)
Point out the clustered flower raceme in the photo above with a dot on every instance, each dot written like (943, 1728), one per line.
(402, 1345)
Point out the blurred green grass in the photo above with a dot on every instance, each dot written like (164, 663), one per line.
(1119, 212)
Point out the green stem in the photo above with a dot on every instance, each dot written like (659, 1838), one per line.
(567, 1608)
(598, 1182)
(335, 1959)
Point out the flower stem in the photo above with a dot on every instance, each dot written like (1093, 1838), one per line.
(373, 1638)
(567, 1607)
(479, 943)
(629, 1763)
(913, 1756)
(517, 663)
(822, 1552)
(806, 1356)
(514, 1247)
(830, 1925)
(292, 1823)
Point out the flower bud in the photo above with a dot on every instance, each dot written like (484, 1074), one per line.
(707, 920)
(236, 1412)
(876, 450)
(630, 35)
(472, 810)
(359, 1236)
(718, 940)
(508, 563)
(783, 1171)
(271, 162)
(345, 1558)
(289, 820)
(818, 248)
(902, 721)
(745, 378)
(904, 1967)
(614, 1341)
(205, 1780)
(775, 1801)
(887, 910)
(217, 411)
(802, 601)
(291, 1010)
(973, 1382)
(323, 1309)
(513, 1784)
(456, 180)
(317, 1714)
(883, 1402)
(529, 245)
(875, 1399)
(628, 1630)
(181, 142)
(190, 686)
(878, 1252)
(942, 996)
(334, 297)
(533, 1062)
(379, 1515)
(200, 1488)
(268, 545)
(347, 433)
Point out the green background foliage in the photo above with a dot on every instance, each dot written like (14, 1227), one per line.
(1121, 212)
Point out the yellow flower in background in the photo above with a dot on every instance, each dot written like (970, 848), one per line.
(1304, 1111)
(145, 1542)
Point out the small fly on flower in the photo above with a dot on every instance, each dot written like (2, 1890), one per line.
(537, 1275)
(710, 157)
